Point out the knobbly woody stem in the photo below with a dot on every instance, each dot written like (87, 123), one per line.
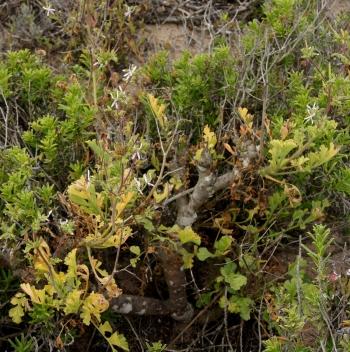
(207, 185)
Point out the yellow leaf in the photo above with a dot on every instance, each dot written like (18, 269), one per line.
(209, 137)
(119, 340)
(93, 306)
(41, 257)
(60, 278)
(108, 240)
(159, 197)
(96, 264)
(73, 302)
(158, 109)
(71, 262)
(125, 199)
(115, 339)
(243, 112)
(50, 290)
(16, 313)
(188, 235)
(175, 180)
(37, 296)
(246, 117)
(198, 154)
(20, 302)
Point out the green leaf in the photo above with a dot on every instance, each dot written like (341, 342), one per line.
(135, 250)
(237, 304)
(244, 304)
(188, 235)
(203, 254)
(99, 151)
(235, 280)
(223, 244)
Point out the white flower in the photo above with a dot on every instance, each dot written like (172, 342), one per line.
(311, 113)
(138, 185)
(117, 96)
(49, 10)
(348, 272)
(129, 11)
(148, 180)
(128, 72)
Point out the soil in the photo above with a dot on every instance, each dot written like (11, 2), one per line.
(176, 39)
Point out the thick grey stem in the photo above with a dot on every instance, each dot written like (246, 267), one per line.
(129, 304)
(176, 281)
(208, 184)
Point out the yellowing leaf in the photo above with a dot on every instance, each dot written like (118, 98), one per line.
(209, 137)
(119, 340)
(16, 313)
(115, 340)
(41, 257)
(71, 262)
(176, 182)
(37, 296)
(299, 162)
(159, 197)
(246, 117)
(105, 327)
(279, 151)
(158, 109)
(82, 193)
(188, 235)
(73, 302)
(107, 240)
(93, 305)
(187, 258)
(96, 264)
(322, 156)
(198, 155)
(20, 302)
(185, 235)
(83, 271)
(125, 199)
(243, 112)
